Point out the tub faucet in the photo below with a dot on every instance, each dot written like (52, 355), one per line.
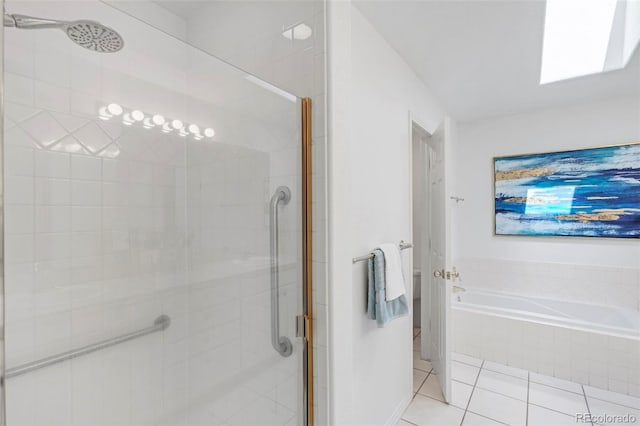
(458, 289)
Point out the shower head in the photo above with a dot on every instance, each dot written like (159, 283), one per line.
(88, 34)
(94, 36)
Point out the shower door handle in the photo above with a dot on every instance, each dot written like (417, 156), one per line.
(281, 344)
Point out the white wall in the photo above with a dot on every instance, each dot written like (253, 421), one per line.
(371, 92)
(558, 267)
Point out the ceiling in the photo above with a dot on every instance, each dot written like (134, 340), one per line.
(482, 58)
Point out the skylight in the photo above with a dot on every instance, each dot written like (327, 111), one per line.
(583, 37)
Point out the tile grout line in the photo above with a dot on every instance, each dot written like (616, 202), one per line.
(467, 363)
(466, 408)
(556, 387)
(551, 409)
(501, 394)
(526, 419)
(489, 418)
(586, 401)
(612, 402)
(506, 374)
(423, 382)
(546, 385)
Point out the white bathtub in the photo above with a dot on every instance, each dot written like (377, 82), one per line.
(589, 344)
(579, 316)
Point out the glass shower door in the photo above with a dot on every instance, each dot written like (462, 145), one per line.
(153, 231)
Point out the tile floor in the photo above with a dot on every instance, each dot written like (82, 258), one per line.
(486, 393)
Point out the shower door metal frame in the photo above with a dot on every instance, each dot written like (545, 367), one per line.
(2, 253)
(307, 281)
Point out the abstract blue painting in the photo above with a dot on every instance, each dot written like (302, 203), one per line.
(586, 193)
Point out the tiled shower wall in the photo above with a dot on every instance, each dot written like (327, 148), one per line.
(109, 226)
(94, 247)
(229, 190)
(612, 286)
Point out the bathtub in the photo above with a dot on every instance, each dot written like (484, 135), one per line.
(578, 316)
(589, 344)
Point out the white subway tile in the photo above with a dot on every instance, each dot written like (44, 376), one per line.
(86, 193)
(86, 168)
(53, 164)
(19, 190)
(19, 160)
(86, 218)
(52, 246)
(19, 219)
(55, 273)
(50, 65)
(52, 398)
(20, 399)
(52, 97)
(86, 244)
(52, 191)
(115, 170)
(18, 89)
(19, 248)
(85, 271)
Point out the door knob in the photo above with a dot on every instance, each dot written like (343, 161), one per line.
(453, 275)
(438, 274)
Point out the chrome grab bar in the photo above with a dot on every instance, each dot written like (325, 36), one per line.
(160, 324)
(281, 344)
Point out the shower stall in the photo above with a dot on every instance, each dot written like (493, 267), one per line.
(157, 229)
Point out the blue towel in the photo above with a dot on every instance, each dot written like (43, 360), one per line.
(377, 307)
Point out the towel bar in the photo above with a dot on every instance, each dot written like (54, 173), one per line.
(402, 246)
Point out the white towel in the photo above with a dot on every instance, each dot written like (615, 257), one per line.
(393, 271)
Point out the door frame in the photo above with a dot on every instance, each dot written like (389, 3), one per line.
(446, 122)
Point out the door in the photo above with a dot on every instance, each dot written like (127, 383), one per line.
(154, 209)
(436, 258)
